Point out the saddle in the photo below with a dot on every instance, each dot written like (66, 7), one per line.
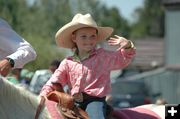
(65, 106)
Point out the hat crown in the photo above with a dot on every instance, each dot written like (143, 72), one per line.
(84, 19)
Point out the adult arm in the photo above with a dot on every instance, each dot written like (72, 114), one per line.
(14, 47)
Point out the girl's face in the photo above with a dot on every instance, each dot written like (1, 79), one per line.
(85, 39)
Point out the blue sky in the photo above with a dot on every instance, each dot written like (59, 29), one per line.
(126, 7)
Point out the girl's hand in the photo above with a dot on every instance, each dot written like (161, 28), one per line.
(119, 41)
(78, 97)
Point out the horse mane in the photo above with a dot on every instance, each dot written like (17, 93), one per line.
(14, 99)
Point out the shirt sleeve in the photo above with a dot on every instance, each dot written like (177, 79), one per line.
(59, 76)
(121, 58)
(18, 49)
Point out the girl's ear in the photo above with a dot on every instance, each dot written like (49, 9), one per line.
(73, 37)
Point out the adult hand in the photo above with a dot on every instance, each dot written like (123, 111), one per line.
(5, 67)
(119, 41)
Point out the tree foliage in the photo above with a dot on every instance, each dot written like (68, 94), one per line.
(150, 20)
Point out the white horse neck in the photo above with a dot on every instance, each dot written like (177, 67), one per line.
(16, 102)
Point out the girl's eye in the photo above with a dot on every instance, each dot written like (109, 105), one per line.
(93, 36)
(83, 37)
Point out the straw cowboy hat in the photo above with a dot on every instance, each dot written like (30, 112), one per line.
(63, 36)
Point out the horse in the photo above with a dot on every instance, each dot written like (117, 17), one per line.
(148, 111)
(19, 103)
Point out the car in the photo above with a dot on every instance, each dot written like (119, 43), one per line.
(129, 93)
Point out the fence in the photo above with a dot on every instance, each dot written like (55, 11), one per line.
(163, 81)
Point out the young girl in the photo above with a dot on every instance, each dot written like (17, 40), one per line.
(87, 72)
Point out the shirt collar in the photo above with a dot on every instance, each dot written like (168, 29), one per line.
(76, 58)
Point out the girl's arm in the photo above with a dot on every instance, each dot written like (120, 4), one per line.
(124, 54)
(57, 80)
(122, 42)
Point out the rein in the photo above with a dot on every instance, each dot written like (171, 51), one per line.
(39, 108)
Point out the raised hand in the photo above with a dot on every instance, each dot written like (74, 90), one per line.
(119, 41)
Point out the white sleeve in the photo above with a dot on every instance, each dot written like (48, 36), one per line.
(16, 47)
(24, 54)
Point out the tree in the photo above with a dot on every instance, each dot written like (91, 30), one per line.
(32, 23)
(150, 20)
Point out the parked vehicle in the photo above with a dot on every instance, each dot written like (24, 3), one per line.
(129, 93)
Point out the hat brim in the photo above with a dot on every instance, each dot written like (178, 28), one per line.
(64, 35)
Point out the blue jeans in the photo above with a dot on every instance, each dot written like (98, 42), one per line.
(96, 110)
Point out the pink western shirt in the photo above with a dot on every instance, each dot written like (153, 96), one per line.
(91, 75)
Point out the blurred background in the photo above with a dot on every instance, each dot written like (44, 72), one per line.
(153, 25)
